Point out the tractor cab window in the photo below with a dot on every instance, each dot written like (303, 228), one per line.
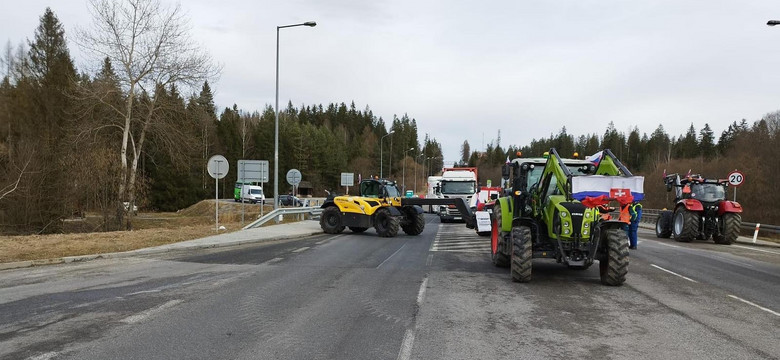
(533, 175)
(370, 189)
(392, 190)
(707, 192)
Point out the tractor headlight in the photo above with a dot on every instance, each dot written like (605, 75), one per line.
(565, 224)
(585, 232)
(587, 214)
(566, 231)
(563, 215)
(586, 225)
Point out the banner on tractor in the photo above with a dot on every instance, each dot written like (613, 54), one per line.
(624, 189)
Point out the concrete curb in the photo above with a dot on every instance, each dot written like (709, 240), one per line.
(153, 250)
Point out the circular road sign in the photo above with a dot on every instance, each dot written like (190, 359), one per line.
(294, 177)
(218, 166)
(736, 178)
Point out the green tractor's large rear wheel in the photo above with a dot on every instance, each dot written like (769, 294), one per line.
(330, 220)
(522, 254)
(413, 222)
(385, 223)
(729, 224)
(498, 244)
(614, 267)
(686, 225)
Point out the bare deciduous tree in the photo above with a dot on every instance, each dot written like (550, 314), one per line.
(152, 49)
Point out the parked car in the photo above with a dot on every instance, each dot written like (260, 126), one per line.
(290, 200)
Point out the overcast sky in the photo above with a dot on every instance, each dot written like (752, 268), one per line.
(468, 68)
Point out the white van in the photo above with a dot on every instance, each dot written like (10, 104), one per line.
(253, 194)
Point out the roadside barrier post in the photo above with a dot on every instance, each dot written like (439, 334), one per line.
(755, 234)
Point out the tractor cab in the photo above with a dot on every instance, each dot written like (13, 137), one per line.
(379, 189)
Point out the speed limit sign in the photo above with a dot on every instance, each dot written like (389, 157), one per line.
(736, 178)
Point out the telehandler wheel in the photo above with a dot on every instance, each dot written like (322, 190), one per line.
(614, 267)
(330, 220)
(498, 243)
(730, 224)
(413, 223)
(386, 224)
(686, 225)
(522, 255)
(356, 229)
(663, 225)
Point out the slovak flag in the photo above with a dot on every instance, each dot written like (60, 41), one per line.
(624, 189)
(595, 158)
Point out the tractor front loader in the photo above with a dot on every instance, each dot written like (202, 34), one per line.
(380, 206)
(700, 211)
(554, 212)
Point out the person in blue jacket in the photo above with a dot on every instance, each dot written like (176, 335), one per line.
(635, 210)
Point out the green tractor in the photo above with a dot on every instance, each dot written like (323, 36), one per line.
(554, 211)
(378, 206)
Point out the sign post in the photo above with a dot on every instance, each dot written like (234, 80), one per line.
(736, 178)
(250, 171)
(218, 168)
(293, 178)
(347, 179)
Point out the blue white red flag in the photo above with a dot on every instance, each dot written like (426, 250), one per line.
(621, 188)
(595, 158)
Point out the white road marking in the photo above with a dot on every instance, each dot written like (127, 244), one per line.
(665, 244)
(430, 259)
(761, 250)
(46, 356)
(301, 249)
(328, 239)
(673, 273)
(454, 238)
(144, 292)
(406, 346)
(274, 260)
(132, 319)
(756, 305)
(388, 258)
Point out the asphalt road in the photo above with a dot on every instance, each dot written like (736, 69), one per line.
(358, 296)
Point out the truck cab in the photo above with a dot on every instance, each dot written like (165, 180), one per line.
(456, 183)
(253, 194)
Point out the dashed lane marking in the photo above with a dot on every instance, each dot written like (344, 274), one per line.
(301, 249)
(756, 305)
(673, 273)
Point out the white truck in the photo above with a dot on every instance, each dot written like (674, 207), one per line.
(434, 183)
(456, 183)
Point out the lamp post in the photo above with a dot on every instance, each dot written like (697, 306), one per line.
(381, 154)
(403, 177)
(276, 113)
(415, 170)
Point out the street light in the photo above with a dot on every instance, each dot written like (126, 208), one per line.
(381, 155)
(276, 121)
(403, 178)
(773, 22)
(415, 170)
(430, 161)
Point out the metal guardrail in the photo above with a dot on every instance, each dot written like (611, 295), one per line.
(650, 216)
(312, 211)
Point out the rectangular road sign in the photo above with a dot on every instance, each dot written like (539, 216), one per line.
(347, 179)
(252, 171)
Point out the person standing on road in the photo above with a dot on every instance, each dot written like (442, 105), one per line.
(635, 210)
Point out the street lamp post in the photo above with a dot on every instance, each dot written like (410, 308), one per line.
(403, 177)
(381, 154)
(276, 108)
(415, 170)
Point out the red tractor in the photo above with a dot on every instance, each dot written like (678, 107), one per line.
(700, 211)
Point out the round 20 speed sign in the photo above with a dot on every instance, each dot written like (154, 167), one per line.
(736, 178)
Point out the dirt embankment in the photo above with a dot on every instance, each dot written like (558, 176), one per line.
(150, 229)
